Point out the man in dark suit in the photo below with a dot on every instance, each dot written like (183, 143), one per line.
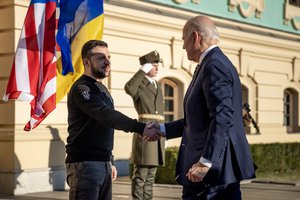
(214, 153)
(148, 102)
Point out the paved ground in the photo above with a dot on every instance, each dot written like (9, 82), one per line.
(121, 191)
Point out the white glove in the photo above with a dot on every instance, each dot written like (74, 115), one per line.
(147, 67)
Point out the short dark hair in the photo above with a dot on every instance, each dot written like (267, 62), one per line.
(89, 45)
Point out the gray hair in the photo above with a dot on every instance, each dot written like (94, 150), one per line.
(207, 31)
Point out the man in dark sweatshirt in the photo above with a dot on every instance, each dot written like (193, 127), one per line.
(92, 120)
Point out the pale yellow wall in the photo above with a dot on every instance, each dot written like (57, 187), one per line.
(26, 159)
(267, 65)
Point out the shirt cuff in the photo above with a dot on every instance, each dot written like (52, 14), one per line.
(162, 129)
(205, 162)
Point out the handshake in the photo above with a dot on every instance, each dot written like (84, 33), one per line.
(152, 132)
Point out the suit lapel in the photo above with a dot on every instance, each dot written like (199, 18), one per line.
(195, 75)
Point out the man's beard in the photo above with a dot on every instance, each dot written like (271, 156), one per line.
(99, 74)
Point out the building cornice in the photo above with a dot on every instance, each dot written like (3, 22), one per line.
(177, 14)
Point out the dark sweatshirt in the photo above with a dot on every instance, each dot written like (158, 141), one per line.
(92, 120)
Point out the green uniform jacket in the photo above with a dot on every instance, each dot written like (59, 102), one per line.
(147, 100)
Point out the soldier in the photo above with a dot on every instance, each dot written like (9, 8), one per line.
(148, 102)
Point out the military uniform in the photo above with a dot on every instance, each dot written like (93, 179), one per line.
(146, 156)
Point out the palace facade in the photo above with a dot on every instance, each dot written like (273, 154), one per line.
(261, 38)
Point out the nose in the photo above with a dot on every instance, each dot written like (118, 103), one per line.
(107, 61)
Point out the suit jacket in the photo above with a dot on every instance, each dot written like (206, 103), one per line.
(147, 100)
(212, 126)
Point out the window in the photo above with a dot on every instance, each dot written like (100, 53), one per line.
(287, 108)
(290, 110)
(245, 94)
(171, 98)
(295, 2)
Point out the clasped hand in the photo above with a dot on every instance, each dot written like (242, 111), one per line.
(152, 132)
(197, 172)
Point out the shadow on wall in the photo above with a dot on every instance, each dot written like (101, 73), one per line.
(9, 179)
(57, 175)
(18, 171)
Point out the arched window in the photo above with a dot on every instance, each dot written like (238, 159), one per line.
(170, 92)
(290, 110)
(287, 108)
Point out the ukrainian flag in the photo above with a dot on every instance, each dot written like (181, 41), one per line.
(79, 21)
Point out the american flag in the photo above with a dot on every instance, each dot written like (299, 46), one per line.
(33, 74)
(36, 75)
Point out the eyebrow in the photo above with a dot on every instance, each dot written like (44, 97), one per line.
(92, 54)
(99, 53)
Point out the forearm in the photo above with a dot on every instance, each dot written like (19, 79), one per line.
(131, 87)
(113, 118)
(119, 121)
(174, 129)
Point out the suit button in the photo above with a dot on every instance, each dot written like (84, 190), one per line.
(156, 112)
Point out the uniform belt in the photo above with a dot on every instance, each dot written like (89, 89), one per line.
(152, 116)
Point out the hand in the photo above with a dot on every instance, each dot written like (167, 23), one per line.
(153, 125)
(157, 126)
(114, 173)
(152, 132)
(147, 67)
(197, 172)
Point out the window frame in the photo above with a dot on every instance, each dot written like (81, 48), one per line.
(290, 116)
(175, 97)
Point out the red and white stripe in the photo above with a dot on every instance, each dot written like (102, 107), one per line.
(33, 75)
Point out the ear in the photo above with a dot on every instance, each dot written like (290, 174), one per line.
(197, 37)
(86, 62)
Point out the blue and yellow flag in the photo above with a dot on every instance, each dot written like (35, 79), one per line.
(79, 21)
